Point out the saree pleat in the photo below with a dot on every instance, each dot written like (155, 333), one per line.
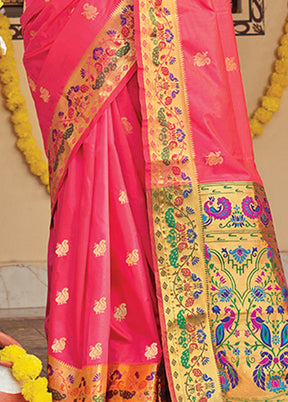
(165, 280)
(100, 276)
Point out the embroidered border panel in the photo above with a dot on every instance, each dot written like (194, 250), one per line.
(248, 292)
(175, 209)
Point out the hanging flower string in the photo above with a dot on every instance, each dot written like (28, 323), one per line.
(26, 369)
(270, 102)
(16, 104)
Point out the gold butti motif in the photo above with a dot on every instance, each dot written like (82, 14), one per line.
(175, 209)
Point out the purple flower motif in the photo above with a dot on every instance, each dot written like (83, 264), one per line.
(166, 11)
(216, 309)
(111, 32)
(97, 53)
(201, 336)
(191, 235)
(269, 310)
(280, 310)
(168, 35)
(71, 378)
(195, 260)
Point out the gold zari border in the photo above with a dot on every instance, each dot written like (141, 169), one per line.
(175, 208)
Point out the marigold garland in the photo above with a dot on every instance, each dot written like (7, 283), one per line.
(270, 102)
(16, 104)
(26, 369)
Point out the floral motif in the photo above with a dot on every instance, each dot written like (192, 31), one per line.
(90, 12)
(62, 249)
(62, 296)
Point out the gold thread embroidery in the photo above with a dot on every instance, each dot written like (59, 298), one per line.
(120, 312)
(90, 12)
(62, 249)
(123, 198)
(100, 249)
(96, 351)
(127, 125)
(175, 207)
(214, 158)
(62, 296)
(132, 258)
(100, 306)
(44, 94)
(231, 64)
(32, 84)
(151, 351)
(201, 59)
(139, 382)
(59, 345)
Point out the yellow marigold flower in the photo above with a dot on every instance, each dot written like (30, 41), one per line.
(15, 102)
(11, 353)
(9, 76)
(281, 66)
(282, 52)
(271, 103)
(20, 116)
(45, 177)
(24, 143)
(7, 65)
(23, 129)
(263, 115)
(256, 127)
(4, 23)
(280, 79)
(32, 390)
(284, 40)
(26, 367)
(275, 90)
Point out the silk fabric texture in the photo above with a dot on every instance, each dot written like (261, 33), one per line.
(162, 247)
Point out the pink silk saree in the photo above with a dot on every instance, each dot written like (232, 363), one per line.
(165, 281)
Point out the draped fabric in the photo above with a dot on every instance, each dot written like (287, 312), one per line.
(165, 281)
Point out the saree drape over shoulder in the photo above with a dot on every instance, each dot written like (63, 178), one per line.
(165, 281)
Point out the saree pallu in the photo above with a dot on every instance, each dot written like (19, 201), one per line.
(165, 280)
